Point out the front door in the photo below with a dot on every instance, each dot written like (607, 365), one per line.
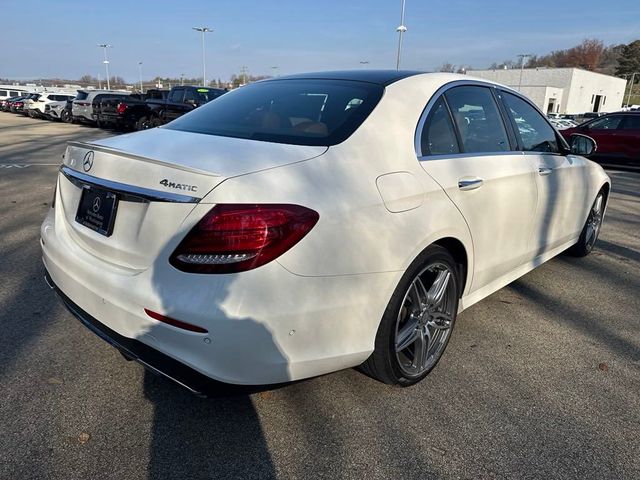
(561, 180)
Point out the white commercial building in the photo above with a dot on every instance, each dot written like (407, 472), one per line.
(562, 90)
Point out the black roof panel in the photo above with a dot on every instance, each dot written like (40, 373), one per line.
(380, 77)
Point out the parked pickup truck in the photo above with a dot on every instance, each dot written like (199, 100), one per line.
(129, 112)
(181, 100)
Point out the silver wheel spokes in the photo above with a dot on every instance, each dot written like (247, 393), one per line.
(424, 321)
(594, 221)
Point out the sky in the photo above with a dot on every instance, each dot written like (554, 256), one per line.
(59, 38)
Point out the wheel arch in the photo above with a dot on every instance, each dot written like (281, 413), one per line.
(459, 253)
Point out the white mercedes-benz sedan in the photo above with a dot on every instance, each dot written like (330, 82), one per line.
(310, 223)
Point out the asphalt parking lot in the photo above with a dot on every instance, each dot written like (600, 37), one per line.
(540, 380)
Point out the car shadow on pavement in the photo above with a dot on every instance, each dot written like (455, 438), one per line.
(205, 437)
(219, 436)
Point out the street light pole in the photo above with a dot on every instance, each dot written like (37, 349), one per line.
(633, 77)
(106, 61)
(140, 75)
(522, 56)
(203, 30)
(401, 29)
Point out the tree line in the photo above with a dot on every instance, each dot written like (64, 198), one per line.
(591, 54)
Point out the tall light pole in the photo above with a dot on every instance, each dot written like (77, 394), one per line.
(203, 30)
(401, 29)
(140, 75)
(633, 77)
(106, 61)
(522, 56)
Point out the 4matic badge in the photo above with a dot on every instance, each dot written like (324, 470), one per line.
(179, 186)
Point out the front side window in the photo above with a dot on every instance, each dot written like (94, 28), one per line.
(476, 115)
(438, 135)
(606, 123)
(536, 134)
(294, 111)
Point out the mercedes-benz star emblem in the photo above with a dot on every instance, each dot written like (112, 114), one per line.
(87, 162)
(96, 205)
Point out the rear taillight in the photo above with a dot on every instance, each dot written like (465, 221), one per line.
(121, 107)
(238, 237)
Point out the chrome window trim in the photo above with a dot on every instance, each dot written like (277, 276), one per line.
(127, 193)
(444, 156)
(477, 83)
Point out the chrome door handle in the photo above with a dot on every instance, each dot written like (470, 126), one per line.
(545, 171)
(470, 183)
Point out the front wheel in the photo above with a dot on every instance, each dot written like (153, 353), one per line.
(418, 321)
(591, 228)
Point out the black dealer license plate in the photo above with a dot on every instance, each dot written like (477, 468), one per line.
(97, 210)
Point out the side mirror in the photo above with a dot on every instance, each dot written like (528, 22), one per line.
(582, 145)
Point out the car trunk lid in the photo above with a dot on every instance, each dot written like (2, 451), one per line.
(157, 176)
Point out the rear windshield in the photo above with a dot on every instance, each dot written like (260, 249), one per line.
(299, 112)
(81, 95)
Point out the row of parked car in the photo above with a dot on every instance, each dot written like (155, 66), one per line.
(112, 109)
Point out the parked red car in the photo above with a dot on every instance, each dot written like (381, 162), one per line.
(617, 136)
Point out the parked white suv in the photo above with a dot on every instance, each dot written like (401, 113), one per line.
(34, 107)
(82, 109)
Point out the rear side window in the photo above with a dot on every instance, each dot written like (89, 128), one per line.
(479, 123)
(14, 94)
(606, 123)
(536, 134)
(631, 122)
(438, 135)
(176, 95)
(295, 111)
(3, 93)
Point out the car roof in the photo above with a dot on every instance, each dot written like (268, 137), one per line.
(380, 77)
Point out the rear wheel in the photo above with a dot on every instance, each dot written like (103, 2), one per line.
(591, 228)
(142, 123)
(418, 321)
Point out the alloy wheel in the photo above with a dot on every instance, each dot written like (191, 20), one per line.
(425, 319)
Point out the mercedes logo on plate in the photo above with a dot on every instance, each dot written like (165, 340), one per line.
(87, 162)
(96, 204)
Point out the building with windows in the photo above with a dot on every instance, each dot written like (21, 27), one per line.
(562, 90)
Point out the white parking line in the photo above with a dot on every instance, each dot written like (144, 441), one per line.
(25, 165)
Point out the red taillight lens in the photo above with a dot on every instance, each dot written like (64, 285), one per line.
(237, 237)
(175, 323)
(121, 107)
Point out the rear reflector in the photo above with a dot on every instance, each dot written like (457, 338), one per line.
(175, 323)
(238, 237)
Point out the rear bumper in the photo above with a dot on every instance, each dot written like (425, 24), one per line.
(133, 349)
(266, 326)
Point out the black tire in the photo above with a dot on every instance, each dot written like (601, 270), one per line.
(591, 229)
(154, 122)
(65, 116)
(142, 123)
(390, 365)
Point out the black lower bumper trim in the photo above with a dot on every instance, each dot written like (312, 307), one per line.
(133, 349)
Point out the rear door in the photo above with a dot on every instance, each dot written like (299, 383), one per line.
(561, 179)
(174, 105)
(467, 148)
(629, 137)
